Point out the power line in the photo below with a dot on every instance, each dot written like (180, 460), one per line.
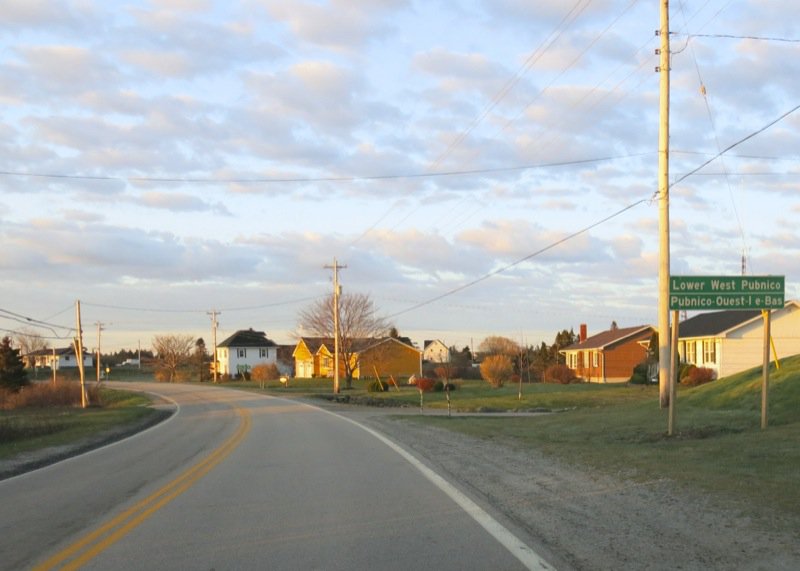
(756, 38)
(355, 178)
(227, 309)
(32, 321)
(516, 263)
(734, 145)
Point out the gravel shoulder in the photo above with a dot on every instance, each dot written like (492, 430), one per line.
(583, 520)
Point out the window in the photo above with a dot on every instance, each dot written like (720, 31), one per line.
(242, 353)
(263, 353)
(595, 358)
(709, 351)
(691, 352)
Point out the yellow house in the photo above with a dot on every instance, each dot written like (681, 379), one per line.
(390, 357)
(313, 357)
(307, 355)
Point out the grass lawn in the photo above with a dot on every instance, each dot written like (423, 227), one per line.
(29, 429)
(718, 446)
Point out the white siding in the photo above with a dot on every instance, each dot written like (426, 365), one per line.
(233, 360)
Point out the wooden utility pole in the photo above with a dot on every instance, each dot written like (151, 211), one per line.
(673, 377)
(99, 329)
(78, 344)
(213, 313)
(337, 292)
(765, 372)
(664, 361)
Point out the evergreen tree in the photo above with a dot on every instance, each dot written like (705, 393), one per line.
(12, 371)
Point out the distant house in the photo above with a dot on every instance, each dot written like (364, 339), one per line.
(731, 341)
(243, 350)
(307, 357)
(57, 358)
(434, 351)
(609, 356)
(314, 357)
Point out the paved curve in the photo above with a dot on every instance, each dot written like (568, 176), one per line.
(242, 481)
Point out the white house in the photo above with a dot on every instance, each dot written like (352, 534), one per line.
(243, 350)
(434, 351)
(731, 341)
(57, 358)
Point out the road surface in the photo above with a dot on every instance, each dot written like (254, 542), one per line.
(236, 480)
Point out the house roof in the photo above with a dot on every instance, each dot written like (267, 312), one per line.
(59, 352)
(357, 345)
(248, 338)
(715, 323)
(607, 338)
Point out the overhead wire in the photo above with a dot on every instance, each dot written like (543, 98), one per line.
(704, 93)
(521, 260)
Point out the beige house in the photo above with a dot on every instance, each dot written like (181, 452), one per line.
(731, 341)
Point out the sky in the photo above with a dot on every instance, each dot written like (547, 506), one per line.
(479, 167)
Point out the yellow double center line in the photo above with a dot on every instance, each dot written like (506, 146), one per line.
(91, 545)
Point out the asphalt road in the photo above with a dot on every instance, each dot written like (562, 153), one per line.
(242, 481)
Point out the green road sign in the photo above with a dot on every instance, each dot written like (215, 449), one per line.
(726, 292)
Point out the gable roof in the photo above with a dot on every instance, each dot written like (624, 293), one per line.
(63, 351)
(715, 323)
(607, 338)
(247, 338)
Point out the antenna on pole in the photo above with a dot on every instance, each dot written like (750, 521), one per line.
(337, 291)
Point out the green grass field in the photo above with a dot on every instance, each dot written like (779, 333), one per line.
(27, 429)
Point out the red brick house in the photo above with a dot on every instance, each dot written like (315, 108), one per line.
(610, 356)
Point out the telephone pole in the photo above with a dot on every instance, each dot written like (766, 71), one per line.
(664, 361)
(99, 329)
(78, 345)
(213, 313)
(337, 291)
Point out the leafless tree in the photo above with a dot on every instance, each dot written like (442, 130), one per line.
(496, 345)
(172, 352)
(29, 341)
(358, 323)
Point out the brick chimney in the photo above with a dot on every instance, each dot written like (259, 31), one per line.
(583, 335)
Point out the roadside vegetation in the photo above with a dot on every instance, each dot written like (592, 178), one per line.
(45, 414)
(718, 447)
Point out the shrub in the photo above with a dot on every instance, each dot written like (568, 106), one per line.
(377, 386)
(265, 372)
(560, 374)
(497, 369)
(698, 376)
(438, 386)
(424, 384)
(639, 375)
(44, 395)
(684, 369)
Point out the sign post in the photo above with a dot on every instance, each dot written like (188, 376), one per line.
(766, 293)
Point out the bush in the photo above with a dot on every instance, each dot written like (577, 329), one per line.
(497, 369)
(438, 386)
(639, 375)
(44, 395)
(265, 372)
(560, 374)
(377, 386)
(698, 376)
(424, 384)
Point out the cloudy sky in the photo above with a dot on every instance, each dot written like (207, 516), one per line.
(164, 159)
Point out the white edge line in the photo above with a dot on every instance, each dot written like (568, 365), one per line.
(527, 556)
